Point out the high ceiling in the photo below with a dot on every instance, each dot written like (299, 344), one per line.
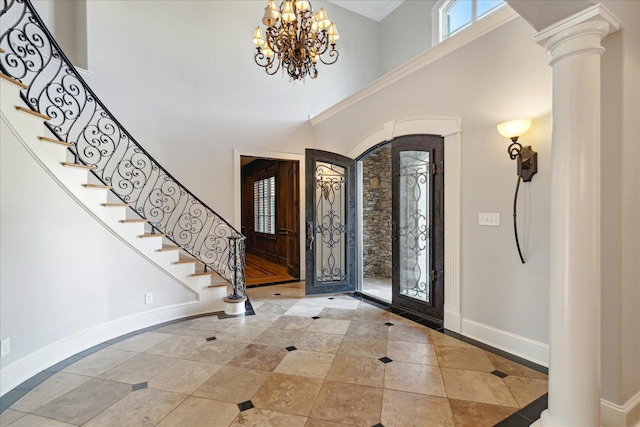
(372, 9)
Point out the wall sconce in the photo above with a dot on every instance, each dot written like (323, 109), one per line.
(527, 161)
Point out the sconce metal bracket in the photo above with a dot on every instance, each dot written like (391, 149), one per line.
(527, 163)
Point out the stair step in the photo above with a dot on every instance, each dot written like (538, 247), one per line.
(204, 273)
(76, 165)
(218, 285)
(148, 235)
(115, 205)
(186, 261)
(167, 248)
(14, 81)
(55, 141)
(97, 186)
(133, 221)
(33, 113)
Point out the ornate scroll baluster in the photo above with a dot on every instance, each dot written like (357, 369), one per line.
(56, 89)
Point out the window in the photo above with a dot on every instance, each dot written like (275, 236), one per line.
(264, 205)
(454, 15)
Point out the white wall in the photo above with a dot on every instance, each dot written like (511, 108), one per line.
(405, 33)
(501, 76)
(621, 208)
(62, 274)
(180, 77)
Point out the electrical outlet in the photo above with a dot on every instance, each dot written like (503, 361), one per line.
(5, 347)
(491, 219)
(148, 298)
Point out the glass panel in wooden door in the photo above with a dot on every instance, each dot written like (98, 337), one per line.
(330, 222)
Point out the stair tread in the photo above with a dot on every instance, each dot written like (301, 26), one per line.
(204, 273)
(218, 285)
(33, 113)
(55, 141)
(133, 221)
(97, 186)
(115, 205)
(166, 248)
(76, 165)
(186, 261)
(14, 81)
(147, 235)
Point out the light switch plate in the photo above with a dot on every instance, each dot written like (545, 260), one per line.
(148, 298)
(490, 219)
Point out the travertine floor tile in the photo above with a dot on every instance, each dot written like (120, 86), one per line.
(199, 412)
(218, 351)
(184, 376)
(347, 303)
(363, 347)
(312, 422)
(357, 370)
(410, 334)
(50, 389)
(329, 326)
(439, 339)
(303, 310)
(139, 369)
(414, 378)
(36, 421)
(233, 385)
(263, 320)
(145, 407)
(9, 416)
(292, 322)
(291, 394)
(368, 329)
(473, 359)
(315, 341)
(261, 417)
(337, 313)
(281, 338)
(84, 402)
(474, 414)
(477, 387)
(412, 352)
(513, 368)
(306, 364)
(242, 333)
(321, 301)
(348, 403)
(99, 362)
(261, 357)
(177, 346)
(402, 409)
(142, 342)
(280, 308)
(526, 390)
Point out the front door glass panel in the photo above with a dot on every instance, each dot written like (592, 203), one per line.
(413, 225)
(330, 226)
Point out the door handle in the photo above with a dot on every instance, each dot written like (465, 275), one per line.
(310, 237)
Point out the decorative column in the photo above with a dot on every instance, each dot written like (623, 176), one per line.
(574, 339)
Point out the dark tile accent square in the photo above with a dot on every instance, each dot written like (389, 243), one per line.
(315, 317)
(385, 359)
(211, 338)
(331, 298)
(389, 324)
(515, 420)
(139, 386)
(277, 294)
(245, 405)
(499, 374)
(378, 425)
(291, 348)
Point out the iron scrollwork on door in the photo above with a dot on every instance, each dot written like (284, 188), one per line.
(330, 229)
(413, 229)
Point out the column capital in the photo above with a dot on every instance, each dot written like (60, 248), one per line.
(596, 21)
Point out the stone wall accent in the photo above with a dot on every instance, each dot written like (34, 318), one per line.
(377, 231)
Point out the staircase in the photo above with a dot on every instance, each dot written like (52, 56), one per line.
(74, 137)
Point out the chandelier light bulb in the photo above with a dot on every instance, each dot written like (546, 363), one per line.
(302, 5)
(267, 51)
(270, 17)
(257, 37)
(322, 19)
(333, 33)
(288, 14)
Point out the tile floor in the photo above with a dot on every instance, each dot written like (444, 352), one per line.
(354, 364)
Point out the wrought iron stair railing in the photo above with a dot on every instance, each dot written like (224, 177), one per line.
(55, 88)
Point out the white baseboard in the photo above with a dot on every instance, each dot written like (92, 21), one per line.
(28, 366)
(452, 320)
(534, 351)
(627, 415)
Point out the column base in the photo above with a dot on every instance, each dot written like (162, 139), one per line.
(234, 307)
(545, 420)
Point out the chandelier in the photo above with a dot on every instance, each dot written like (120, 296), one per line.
(295, 39)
